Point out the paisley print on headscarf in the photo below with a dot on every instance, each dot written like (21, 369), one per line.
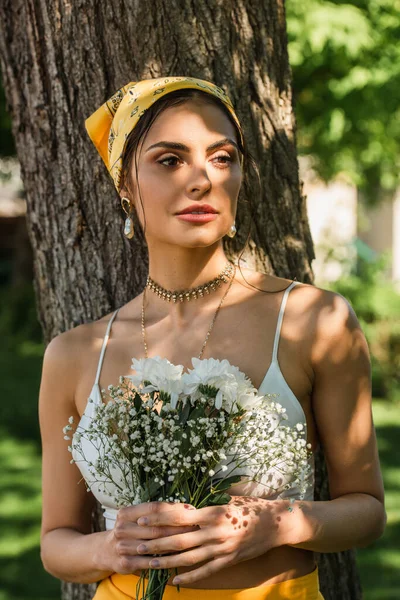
(109, 126)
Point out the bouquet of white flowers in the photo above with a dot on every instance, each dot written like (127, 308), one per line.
(165, 435)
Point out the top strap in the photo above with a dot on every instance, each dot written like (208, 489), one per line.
(280, 319)
(103, 348)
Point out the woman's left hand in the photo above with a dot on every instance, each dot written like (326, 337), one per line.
(245, 528)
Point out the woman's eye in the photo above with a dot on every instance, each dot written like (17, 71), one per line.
(168, 158)
(227, 159)
(223, 159)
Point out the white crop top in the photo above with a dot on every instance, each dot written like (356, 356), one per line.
(273, 381)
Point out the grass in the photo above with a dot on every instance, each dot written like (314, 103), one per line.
(22, 576)
(21, 573)
(379, 564)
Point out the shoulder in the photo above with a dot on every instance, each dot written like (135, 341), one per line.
(325, 307)
(334, 332)
(326, 319)
(332, 321)
(318, 301)
(65, 354)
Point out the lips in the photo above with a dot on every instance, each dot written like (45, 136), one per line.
(204, 208)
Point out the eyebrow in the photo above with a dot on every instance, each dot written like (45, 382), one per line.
(178, 146)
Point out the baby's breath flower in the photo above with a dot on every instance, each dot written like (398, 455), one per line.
(125, 450)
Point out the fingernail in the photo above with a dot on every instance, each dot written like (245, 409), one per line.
(154, 563)
(176, 581)
(142, 521)
(142, 548)
(189, 507)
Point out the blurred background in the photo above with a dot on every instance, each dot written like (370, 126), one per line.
(346, 70)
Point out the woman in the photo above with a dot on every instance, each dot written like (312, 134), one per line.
(171, 146)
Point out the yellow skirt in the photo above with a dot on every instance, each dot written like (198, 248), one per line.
(123, 587)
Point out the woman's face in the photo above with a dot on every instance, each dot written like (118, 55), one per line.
(203, 169)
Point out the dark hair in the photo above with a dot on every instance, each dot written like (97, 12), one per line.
(251, 184)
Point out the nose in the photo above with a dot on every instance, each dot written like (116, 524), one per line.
(199, 182)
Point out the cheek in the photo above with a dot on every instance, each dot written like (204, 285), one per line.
(156, 187)
(233, 182)
(148, 199)
(154, 208)
(232, 188)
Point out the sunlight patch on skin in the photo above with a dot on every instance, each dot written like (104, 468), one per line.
(242, 510)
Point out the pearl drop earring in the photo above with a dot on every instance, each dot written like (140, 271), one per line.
(232, 231)
(128, 229)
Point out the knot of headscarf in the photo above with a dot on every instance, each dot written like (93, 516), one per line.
(109, 126)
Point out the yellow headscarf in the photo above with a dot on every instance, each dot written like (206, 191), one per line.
(109, 126)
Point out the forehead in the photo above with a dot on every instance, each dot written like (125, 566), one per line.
(191, 122)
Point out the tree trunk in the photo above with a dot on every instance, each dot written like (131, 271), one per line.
(60, 61)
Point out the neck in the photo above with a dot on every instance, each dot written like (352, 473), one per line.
(183, 269)
(186, 268)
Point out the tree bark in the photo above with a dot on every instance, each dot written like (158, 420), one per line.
(59, 62)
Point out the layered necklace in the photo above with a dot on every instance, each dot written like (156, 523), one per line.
(228, 274)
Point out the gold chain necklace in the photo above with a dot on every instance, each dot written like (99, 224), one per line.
(209, 329)
(193, 293)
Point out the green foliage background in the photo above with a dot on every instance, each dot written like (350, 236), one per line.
(377, 306)
(345, 58)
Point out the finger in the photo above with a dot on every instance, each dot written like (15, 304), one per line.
(133, 513)
(181, 514)
(186, 559)
(175, 543)
(204, 571)
(127, 564)
(149, 533)
(129, 530)
(129, 548)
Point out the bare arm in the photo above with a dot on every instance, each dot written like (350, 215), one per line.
(66, 549)
(69, 551)
(341, 402)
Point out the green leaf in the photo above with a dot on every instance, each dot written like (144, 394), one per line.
(183, 417)
(185, 445)
(225, 484)
(152, 492)
(137, 402)
(197, 413)
(217, 499)
(184, 442)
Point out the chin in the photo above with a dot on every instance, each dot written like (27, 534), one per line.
(197, 243)
(201, 237)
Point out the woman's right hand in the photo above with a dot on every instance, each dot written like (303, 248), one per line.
(119, 552)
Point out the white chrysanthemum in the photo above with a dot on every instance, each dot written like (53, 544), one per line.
(232, 384)
(164, 376)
